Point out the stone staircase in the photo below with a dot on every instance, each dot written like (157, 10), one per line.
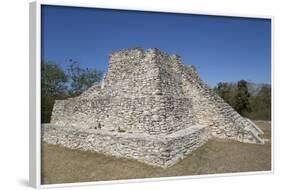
(233, 119)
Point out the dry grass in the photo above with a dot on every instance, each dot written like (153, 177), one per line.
(62, 165)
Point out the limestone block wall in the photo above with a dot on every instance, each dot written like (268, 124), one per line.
(155, 93)
(156, 150)
(136, 95)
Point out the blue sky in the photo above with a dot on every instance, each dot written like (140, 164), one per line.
(221, 48)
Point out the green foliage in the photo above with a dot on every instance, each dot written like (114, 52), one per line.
(242, 98)
(81, 79)
(225, 90)
(261, 104)
(193, 67)
(255, 104)
(58, 84)
(53, 80)
(53, 87)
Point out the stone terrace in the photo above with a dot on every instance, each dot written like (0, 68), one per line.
(150, 107)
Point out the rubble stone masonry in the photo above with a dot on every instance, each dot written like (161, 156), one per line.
(150, 107)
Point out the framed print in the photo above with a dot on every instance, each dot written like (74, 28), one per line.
(120, 94)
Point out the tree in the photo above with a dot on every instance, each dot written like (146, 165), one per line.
(242, 103)
(222, 89)
(53, 86)
(249, 99)
(226, 91)
(59, 84)
(261, 104)
(81, 79)
(53, 79)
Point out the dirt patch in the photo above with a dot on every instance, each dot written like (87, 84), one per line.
(62, 165)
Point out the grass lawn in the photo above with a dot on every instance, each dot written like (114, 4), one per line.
(62, 165)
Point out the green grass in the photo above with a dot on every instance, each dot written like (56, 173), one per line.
(62, 165)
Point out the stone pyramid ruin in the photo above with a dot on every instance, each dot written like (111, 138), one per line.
(150, 107)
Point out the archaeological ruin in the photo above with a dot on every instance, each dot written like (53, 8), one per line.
(150, 107)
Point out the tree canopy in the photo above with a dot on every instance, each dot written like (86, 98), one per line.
(53, 80)
(249, 99)
(242, 98)
(81, 79)
(57, 83)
